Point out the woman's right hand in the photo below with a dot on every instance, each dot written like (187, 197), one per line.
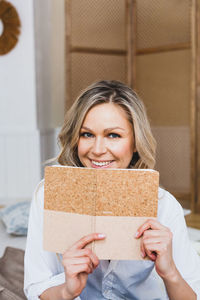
(78, 262)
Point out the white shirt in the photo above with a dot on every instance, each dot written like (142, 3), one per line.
(116, 280)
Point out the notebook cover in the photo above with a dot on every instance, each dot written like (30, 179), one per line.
(78, 201)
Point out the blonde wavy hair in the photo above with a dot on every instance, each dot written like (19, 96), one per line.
(108, 92)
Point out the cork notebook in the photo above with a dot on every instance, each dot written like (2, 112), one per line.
(79, 201)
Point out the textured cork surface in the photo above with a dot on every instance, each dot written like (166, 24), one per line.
(101, 192)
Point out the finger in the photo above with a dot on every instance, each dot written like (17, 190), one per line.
(82, 253)
(93, 257)
(77, 261)
(74, 270)
(156, 234)
(86, 252)
(154, 241)
(151, 254)
(77, 253)
(148, 251)
(159, 248)
(143, 253)
(88, 239)
(149, 224)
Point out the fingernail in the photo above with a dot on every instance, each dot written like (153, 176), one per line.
(136, 234)
(101, 235)
(142, 254)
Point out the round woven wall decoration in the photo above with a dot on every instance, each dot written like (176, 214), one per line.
(11, 27)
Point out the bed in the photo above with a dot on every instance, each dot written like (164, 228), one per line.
(11, 265)
(11, 261)
(13, 219)
(8, 240)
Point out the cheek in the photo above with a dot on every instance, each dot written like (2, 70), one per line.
(123, 150)
(82, 147)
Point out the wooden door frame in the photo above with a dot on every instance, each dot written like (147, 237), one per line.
(196, 206)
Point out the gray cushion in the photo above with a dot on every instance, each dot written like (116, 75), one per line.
(15, 218)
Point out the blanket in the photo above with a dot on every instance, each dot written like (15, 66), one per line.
(12, 274)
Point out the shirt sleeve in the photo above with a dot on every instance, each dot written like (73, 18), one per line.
(185, 257)
(42, 269)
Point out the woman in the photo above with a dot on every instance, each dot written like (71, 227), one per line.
(107, 127)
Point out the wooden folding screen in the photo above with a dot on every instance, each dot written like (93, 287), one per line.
(151, 45)
(165, 79)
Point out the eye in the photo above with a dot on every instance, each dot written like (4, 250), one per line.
(114, 135)
(86, 134)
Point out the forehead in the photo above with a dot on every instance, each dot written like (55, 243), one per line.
(108, 113)
(109, 110)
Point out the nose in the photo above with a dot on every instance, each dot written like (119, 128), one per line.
(99, 146)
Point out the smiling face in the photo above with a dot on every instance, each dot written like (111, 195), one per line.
(106, 138)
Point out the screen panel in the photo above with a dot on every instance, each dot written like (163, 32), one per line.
(163, 22)
(88, 68)
(96, 43)
(99, 24)
(164, 82)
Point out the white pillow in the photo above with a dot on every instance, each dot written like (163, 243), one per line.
(15, 218)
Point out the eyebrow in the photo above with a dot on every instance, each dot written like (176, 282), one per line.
(105, 130)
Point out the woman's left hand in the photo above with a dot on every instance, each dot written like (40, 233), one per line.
(156, 243)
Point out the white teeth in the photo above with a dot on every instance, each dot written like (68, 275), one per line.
(101, 164)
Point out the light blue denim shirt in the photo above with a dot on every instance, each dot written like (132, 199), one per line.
(116, 280)
(119, 280)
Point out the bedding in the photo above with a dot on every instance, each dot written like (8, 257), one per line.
(11, 262)
(12, 274)
(10, 240)
(15, 217)
(11, 265)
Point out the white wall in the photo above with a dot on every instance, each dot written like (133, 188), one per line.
(49, 39)
(58, 61)
(19, 138)
(50, 72)
(17, 76)
(31, 97)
